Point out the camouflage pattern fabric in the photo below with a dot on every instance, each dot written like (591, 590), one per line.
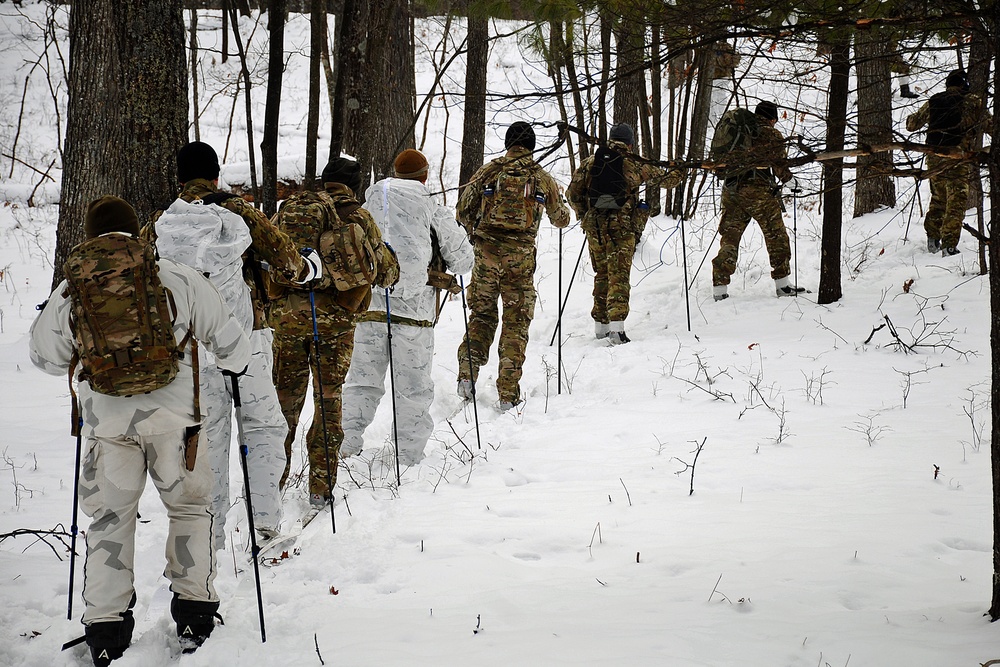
(612, 236)
(755, 200)
(270, 244)
(264, 431)
(337, 313)
(472, 203)
(951, 179)
(112, 478)
(504, 272)
(295, 357)
(949, 199)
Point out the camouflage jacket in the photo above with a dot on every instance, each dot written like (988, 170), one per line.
(769, 149)
(199, 307)
(290, 310)
(636, 175)
(471, 203)
(269, 245)
(976, 119)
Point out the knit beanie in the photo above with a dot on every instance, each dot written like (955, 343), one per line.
(110, 214)
(344, 171)
(957, 78)
(410, 164)
(520, 134)
(767, 110)
(622, 132)
(197, 160)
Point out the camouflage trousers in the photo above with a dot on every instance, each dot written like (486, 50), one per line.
(112, 478)
(295, 359)
(738, 207)
(505, 273)
(264, 431)
(949, 198)
(412, 354)
(611, 248)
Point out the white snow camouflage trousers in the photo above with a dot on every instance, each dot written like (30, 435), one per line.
(264, 429)
(112, 478)
(412, 353)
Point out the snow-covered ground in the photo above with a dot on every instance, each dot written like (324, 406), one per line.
(841, 509)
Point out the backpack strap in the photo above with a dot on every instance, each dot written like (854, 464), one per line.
(191, 433)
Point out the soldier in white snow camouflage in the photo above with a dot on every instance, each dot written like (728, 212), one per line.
(130, 435)
(407, 216)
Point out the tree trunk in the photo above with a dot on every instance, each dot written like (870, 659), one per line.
(655, 144)
(705, 61)
(602, 100)
(474, 117)
(351, 59)
(830, 289)
(272, 105)
(993, 25)
(628, 73)
(875, 188)
(317, 36)
(567, 58)
(127, 98)
(193, 46)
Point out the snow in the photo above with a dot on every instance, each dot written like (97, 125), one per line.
(818, 532)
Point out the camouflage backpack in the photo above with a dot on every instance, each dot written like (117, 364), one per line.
(349, 261)
(511, 200)
(733, 138)
(121, 316)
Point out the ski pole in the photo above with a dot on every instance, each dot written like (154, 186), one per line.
(795, 232)
(566, 296)
(468, 349)
(254, 549)
(559, 320)
(74, 529)
(322, 408)
(392, 382)
(687, 290)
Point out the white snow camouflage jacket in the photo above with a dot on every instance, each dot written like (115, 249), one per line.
(405, 212)
(170, 408)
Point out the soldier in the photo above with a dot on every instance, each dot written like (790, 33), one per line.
(956, 120)
(126, 436)
(337, 313)
(614, 222)
(409, 219)
(202, 238)
(750, 192)
(501, 208)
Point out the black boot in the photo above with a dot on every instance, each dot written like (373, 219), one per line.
(195, 621)
(108, 640)
(904, 91)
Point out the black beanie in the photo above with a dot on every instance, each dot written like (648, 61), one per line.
(767, 110)
(344, 171)
(622, 132)
(520, 134)
(957, 78)
(197, 160)
(110, 214)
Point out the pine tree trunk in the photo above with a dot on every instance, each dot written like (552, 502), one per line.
(474, 117)
(629, 74)
(317, 37)
(602, 101)
(127, 110)
(993, 25)
(351, 60)
(830, 289)
(272, 105)
(875, 188)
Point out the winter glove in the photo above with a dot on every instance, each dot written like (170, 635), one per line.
(313, 263)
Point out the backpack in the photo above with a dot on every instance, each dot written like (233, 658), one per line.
(511, 199)
(734, 136)
(120, 316)
(310, 219)
(945, 123)
(607, 190)
(210, 239)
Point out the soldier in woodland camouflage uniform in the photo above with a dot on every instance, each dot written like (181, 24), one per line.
(264, 427)
(612, 235)
(337, 313)
(753, 194)
(503, 231)
(126, 437)
(950, 177)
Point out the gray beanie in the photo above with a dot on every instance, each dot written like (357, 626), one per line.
(622, 132)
